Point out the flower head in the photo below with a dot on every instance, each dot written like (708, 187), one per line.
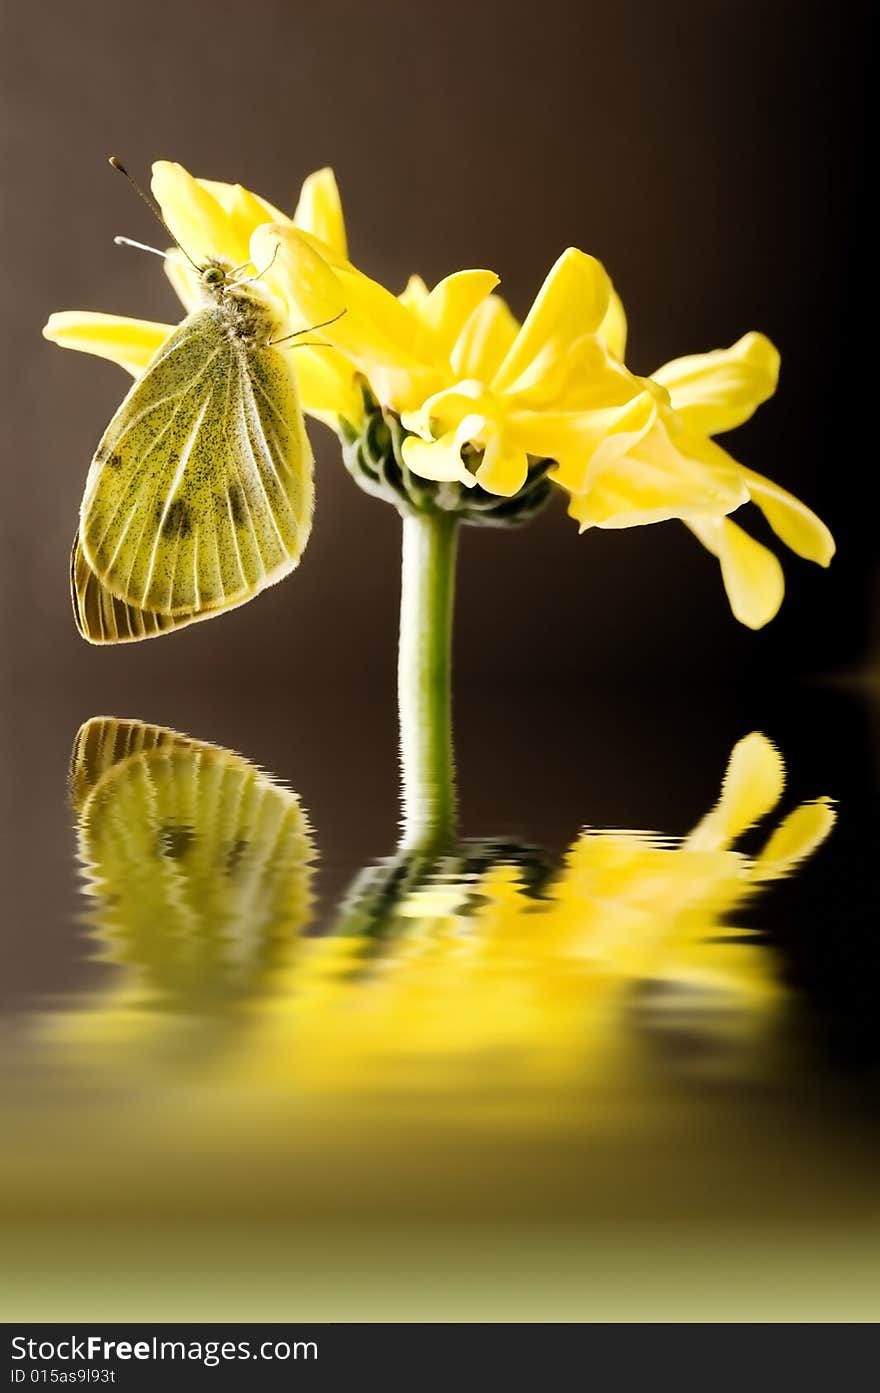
(480, 397)
(477, 393)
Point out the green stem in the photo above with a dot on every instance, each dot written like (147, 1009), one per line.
(424, 688)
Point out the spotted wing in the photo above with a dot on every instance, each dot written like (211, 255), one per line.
(200, 492)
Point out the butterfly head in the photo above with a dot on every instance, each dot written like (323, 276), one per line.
(214, 277)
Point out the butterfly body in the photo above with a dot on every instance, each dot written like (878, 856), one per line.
(200, 493)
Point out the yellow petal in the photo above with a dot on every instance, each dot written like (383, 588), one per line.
(415, 294)
(444, 411)
(129, 342)
(631, 495)
(714, 392)
(504, 468)
(613, 326)
(793, 522)
(572, 302)
(374, 327)
(577, 376)
(240, 203)
(653, 481)
(439, 459)
(319, 211)
(448, 307)
(197, 221)
(328, 387)
(245, 211)
(752, 575)
(752, 787)
(485, 340)
(798, 837)
(583, 443)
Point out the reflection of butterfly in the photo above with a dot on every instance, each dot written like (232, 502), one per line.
(200, 492)
(197, 863)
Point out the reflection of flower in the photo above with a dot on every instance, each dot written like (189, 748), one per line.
(493, 970)
(473, 973)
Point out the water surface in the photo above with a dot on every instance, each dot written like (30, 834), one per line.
(562, 1066)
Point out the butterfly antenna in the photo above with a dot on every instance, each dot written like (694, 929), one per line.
(154, 209)
(139, 246)
(310, 329)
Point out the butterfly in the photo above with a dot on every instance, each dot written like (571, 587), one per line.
(200, 492)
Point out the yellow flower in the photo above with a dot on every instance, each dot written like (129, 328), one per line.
(212, 220)
(482, 395)
(468, 975)
(463, 376)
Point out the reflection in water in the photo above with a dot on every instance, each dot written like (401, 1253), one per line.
(196, 864)
(484, 968)
(478, 1030)
(479, 968)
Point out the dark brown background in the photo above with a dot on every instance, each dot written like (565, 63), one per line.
(703, 150)
(709, 151)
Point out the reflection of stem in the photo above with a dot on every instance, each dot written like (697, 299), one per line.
(424, 678)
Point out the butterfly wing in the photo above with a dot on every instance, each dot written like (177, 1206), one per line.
(200, 492)
(101, 617)
(197, 864)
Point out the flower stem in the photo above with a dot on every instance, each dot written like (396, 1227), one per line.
(424, 688)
